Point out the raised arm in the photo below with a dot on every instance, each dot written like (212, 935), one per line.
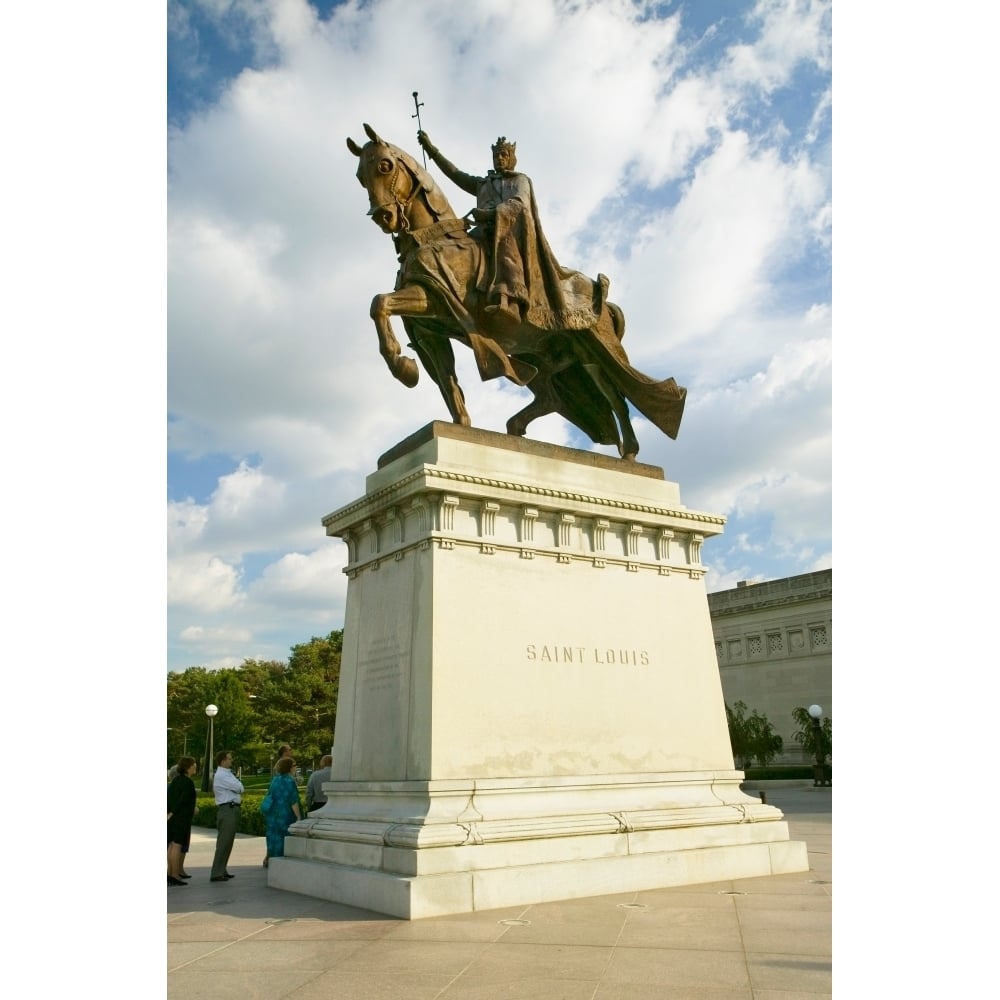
(467, 182)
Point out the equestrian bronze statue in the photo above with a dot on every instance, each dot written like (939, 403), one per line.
(491, 282)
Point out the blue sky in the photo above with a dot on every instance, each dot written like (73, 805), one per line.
(683, 149)
(94, 222)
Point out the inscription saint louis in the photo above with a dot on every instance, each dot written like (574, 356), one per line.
(587, 654)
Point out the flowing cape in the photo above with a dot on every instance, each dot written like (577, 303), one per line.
(453, 263)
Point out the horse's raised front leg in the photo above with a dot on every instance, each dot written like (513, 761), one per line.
(434, 350)
(409, 301)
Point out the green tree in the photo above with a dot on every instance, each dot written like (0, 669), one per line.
(806, 735)
(262, 704)
(263, 680)
(765, 743)
(752, 736)
(188, 693)
(186, 721)
(314, 680)
(235, 723)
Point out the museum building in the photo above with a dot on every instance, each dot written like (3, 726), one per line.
(774, 644)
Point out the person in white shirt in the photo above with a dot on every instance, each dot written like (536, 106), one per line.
(228, 796)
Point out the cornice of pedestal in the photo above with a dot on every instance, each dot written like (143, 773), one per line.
(429, 477)
(455, 488)
(449, 511)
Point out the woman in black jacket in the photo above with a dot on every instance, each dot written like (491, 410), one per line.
(181, 810)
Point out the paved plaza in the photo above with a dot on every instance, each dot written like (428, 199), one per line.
(747, 939)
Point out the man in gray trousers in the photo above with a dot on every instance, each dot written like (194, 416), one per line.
(228, 796)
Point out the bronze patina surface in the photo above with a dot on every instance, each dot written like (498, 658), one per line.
(492, 283)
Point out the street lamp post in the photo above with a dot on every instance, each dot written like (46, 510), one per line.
(206, 778)
(822, 772)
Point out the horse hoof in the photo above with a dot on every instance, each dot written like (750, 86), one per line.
(629, 456)
(407, 372)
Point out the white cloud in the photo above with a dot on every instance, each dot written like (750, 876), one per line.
(314, 578)
(706, 215)
(186, 522)
(763, 428)
(226, 636)
(688, 120)
(244, 508)
(207, 583)
(709, 263)
(244, 491)
(791, 31)
(295, 596)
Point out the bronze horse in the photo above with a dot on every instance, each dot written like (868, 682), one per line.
(580, 372)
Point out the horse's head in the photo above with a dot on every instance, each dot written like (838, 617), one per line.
(393, 179)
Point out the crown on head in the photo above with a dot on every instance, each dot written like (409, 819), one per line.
(502, 143)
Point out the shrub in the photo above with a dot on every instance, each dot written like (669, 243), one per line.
(806, 735)
(779, 772)
(251, 818)
(752, 736)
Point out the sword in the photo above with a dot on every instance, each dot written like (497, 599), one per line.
(418, 105)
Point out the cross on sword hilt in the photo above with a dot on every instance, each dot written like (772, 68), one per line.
(418, 105)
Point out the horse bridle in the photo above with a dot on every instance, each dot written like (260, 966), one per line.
(402, 207)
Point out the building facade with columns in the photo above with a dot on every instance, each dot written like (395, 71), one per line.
(774, 644)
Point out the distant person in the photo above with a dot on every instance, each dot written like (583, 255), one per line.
(182, 807)
(171, 774)
(286, 808)
(285, 751)
(315, 799)
(228, 796)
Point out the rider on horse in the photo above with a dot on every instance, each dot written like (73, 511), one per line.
(524, 281)
(559, 336)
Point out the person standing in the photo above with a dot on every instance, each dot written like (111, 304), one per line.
(315, 797)
(286, 808)
(182, 807)
(228, 796)
(283, 751)
(171, 774)
(286, 751)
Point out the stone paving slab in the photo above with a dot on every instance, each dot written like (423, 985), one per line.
(747, 939)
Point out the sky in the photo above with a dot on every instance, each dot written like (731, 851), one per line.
(683, 149)
(95, 192)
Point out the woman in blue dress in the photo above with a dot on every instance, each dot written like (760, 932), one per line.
(286, 808)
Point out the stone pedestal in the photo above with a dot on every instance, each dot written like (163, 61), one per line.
(530, 706)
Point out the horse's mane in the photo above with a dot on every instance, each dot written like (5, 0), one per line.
(434, 196)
